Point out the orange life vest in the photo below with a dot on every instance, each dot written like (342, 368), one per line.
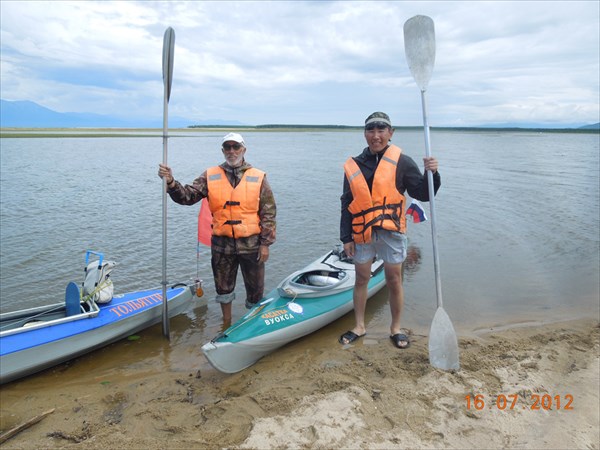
(234, 211)
(383, 206)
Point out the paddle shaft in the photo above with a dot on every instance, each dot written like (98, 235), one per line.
(167, 66)
(436, 258)
(165, 312)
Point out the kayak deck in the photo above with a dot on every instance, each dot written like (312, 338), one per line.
(305, 301)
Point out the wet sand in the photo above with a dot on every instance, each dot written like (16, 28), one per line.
(316, 394)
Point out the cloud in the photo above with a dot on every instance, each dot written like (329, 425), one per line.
(305, 62)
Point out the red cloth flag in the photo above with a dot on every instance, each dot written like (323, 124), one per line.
(204, 223)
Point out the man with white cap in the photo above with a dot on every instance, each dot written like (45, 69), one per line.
(243, 223)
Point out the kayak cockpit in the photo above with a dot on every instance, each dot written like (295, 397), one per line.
(332, 274)
(43, 316)
(315, 283)
(319, 279)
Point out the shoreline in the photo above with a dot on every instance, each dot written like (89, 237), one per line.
(102, 132)
(315, 394)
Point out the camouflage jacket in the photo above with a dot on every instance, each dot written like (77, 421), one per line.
(192, 194)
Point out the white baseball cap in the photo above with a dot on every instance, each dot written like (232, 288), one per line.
(234, 137)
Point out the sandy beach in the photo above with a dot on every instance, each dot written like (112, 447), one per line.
(532, 386)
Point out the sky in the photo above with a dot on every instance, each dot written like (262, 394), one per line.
(303, 62)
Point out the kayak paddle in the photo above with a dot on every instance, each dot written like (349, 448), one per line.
(167, 67)
(419, 45)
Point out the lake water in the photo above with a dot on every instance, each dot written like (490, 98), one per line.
(518, 221)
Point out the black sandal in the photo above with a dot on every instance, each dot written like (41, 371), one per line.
(399, 338)
(349, 337)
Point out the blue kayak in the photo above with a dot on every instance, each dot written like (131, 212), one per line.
(38, 338)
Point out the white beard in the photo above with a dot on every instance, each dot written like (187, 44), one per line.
(237, 162)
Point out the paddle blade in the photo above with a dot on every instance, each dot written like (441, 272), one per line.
(167, 63)
(443, 345)
(419, 46)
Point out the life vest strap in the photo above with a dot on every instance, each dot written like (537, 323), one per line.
(377, 208)
(392, 216)
(232, 222)
(380, 218)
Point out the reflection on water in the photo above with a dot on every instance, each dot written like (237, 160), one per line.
(411, 263)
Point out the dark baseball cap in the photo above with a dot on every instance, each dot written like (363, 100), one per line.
(379, 117)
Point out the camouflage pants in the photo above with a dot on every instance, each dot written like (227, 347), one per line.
(225, 268)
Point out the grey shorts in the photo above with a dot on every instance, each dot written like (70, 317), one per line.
(388, 245)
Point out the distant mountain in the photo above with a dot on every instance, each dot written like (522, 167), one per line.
(536, 125)
(26, 114)
(595, 126)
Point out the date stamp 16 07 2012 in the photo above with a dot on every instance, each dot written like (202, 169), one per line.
(535, 402)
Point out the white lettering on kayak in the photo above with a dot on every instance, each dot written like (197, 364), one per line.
(278, 319)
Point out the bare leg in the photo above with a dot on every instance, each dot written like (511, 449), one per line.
(226, 310)
(393, 276)
(363, 275)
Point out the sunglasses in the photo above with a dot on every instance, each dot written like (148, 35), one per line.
(376, 125)
(232, 146)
